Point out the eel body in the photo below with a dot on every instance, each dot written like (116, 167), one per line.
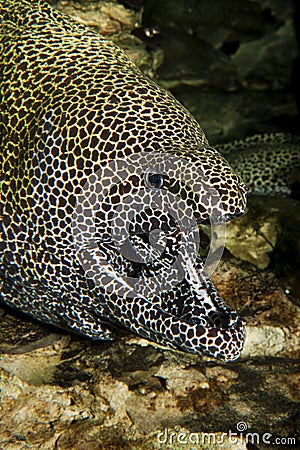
(104, 178)
(268, 163)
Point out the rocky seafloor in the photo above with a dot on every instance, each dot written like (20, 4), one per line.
(233, 66)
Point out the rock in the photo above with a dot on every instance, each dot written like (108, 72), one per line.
(272, 318)
(252, 241)
(267, 62)
(113, 20)
(225, 116)
(266, 340)
(106, 17)
(230, 64)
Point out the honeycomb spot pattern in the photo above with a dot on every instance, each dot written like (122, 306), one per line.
(73, 106)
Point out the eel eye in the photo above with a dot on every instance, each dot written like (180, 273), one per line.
(153, 180)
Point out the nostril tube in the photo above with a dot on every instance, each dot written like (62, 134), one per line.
(244, 188)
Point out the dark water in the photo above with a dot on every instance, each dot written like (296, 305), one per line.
(236, 67)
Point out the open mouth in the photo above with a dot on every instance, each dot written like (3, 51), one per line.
(170, 298)
(139, 242)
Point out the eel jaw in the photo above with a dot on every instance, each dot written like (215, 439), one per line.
(197, 321)
(152, 322)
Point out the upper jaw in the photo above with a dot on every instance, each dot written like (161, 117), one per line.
(220, 219)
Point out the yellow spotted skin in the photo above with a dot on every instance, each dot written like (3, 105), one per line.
(72, 103)
(268, 163)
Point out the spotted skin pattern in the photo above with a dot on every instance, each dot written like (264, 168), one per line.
(72, 103)
(268, 163)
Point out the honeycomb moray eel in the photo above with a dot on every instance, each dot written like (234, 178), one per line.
(79, 124)
(268, 163)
